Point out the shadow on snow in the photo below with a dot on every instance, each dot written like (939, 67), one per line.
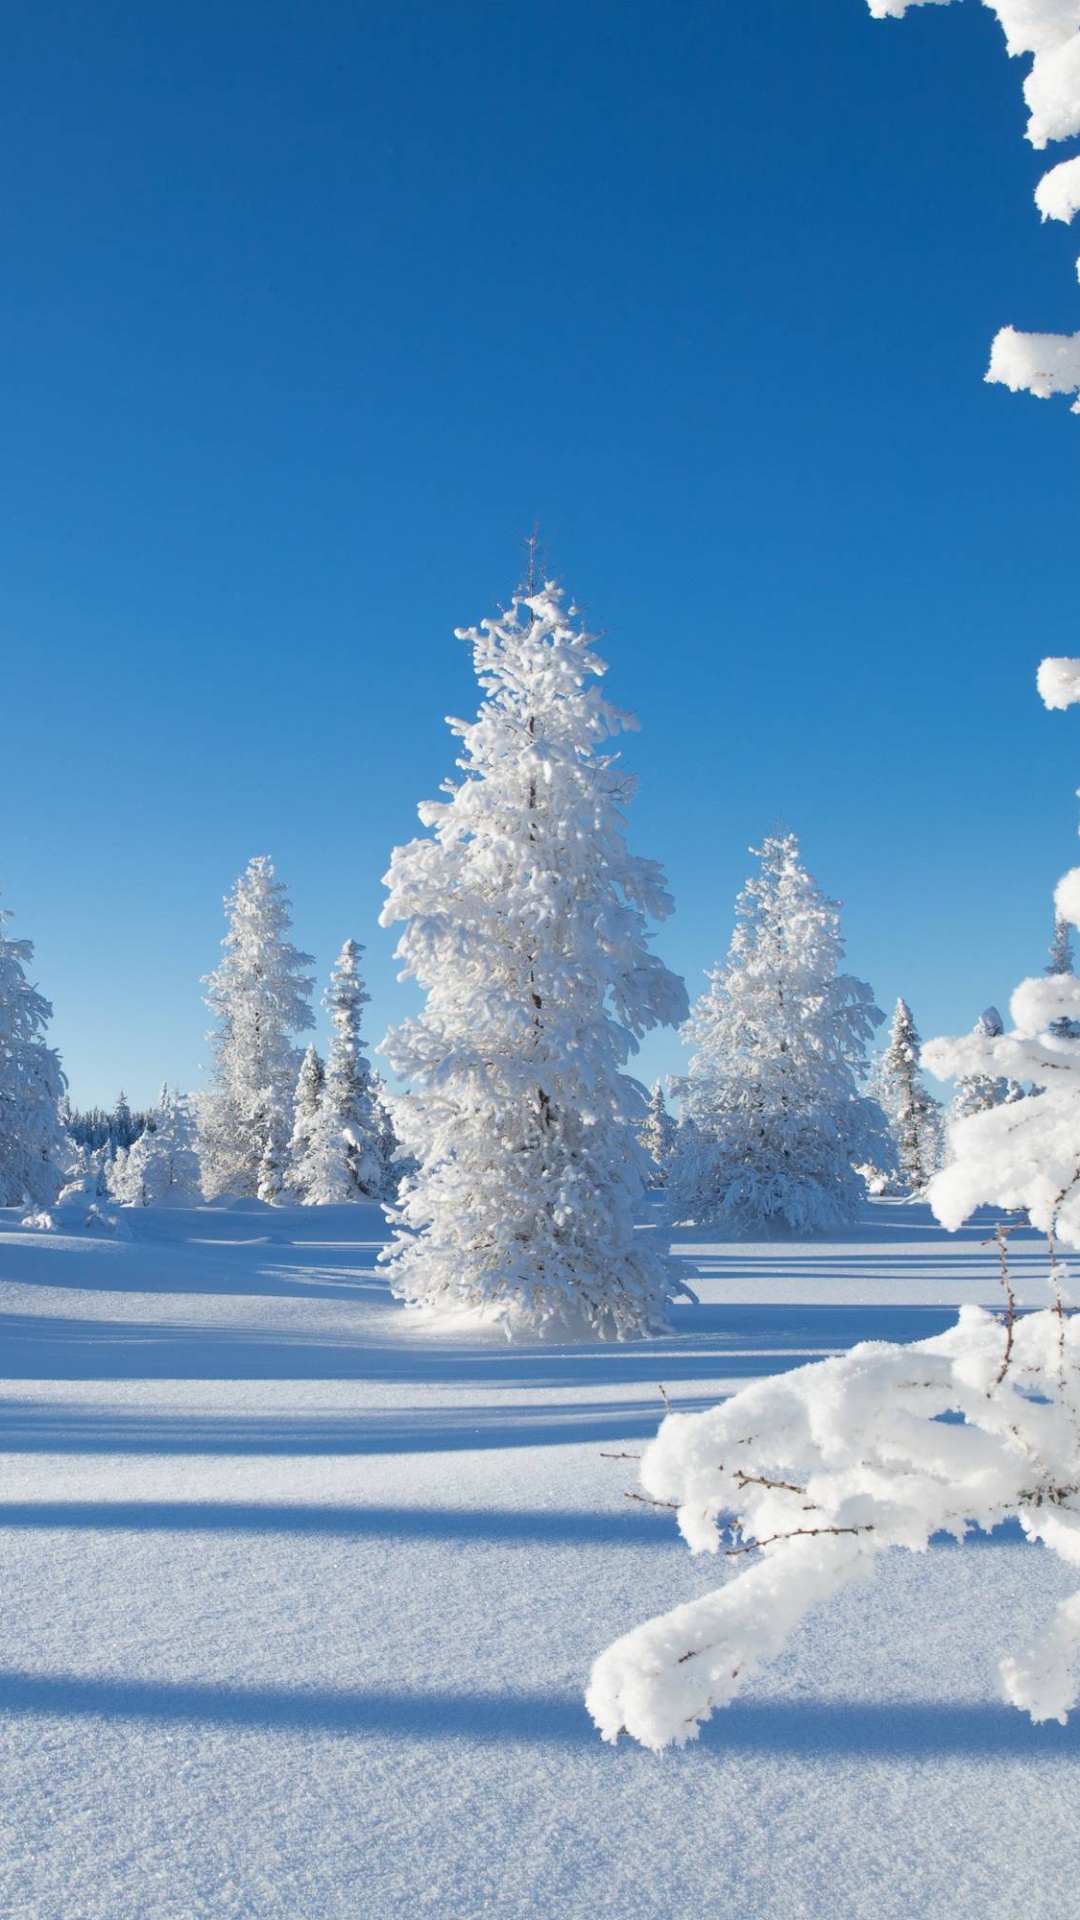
(917, 1730)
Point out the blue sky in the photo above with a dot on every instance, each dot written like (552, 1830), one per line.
(312, 310)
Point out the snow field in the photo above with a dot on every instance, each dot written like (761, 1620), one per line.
(302, 1594)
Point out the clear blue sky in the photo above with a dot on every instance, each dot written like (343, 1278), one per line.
(311, 310)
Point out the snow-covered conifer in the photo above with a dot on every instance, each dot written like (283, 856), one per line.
(777, 1120)
(394, 1164)
(261, 996)
(1061, 962)
(657, 1135)
(125, 1129)
(309, 1090)
(525, 921)
(343, 1162)
(914, 1116)
(976, 1092)
(34, 1147)
(161, 1168)
(1039, 363)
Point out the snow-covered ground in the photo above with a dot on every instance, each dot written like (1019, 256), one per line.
(301, 1596)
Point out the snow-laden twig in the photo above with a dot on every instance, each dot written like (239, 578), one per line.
(817, 1473)
(1048, 30)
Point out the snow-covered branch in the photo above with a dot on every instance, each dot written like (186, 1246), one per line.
(815, 1474)
(1048, 30)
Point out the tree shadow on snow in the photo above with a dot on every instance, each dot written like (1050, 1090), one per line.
(635, 1527)
(812, 1730)
(707, 1343)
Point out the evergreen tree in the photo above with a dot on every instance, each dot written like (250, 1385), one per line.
(124, 1129)
(525, 921)
(975, 1092)
(396, 1165)
(774, 1117)
(34, 1148)
(309, 1091)
(343, 1162)
(261, 996)
(1060, 965)
(161, 1167)
(914, 1116)
(657, 1135)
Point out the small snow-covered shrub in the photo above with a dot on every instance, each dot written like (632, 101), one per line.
(161, 1169)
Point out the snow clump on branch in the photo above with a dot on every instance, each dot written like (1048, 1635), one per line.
(813, 1475)
(1049, 30)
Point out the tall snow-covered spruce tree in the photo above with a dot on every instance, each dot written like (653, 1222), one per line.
(914, 1116)
(34, 1149)
(525, 921)
(309, 1093)
(343, 1161)
(774, 1122)
(657, 1134)
(261, 996)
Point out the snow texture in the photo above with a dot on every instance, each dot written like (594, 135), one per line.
(525, 921)
(301, 1595)
(1058, 682)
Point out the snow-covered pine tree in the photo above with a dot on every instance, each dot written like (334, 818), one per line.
(1061, 962)
(914, 1116)
(394, 1165)
(275, 1121)
(657, 1135)
(34, 1148)
(343, 1162)
(124, 1127)
(309, 1091)
(975, 1092)
(525, 920)
(261, 996)
(776, 1119)
(161, 1168)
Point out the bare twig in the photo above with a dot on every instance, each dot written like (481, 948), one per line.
(754, 1546)
(757, 1480)
(1000, 1240)
(672, 1505)
(619, 1456)
(664, 1398)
